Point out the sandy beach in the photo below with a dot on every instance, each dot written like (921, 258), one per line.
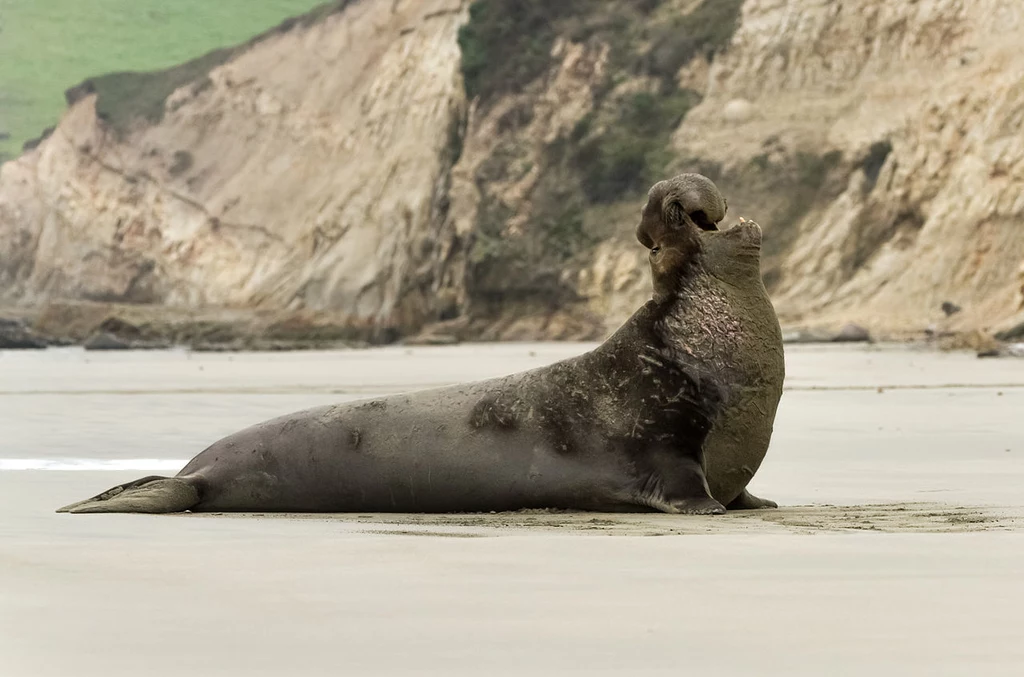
(899, 548)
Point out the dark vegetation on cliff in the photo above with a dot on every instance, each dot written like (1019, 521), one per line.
(628, 155)
(703, 32)
(590, 181)
(611, 156)
(506, 44)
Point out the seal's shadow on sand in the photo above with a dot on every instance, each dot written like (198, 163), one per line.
(887, 518)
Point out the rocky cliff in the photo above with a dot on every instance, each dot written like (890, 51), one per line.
(910, 116)
(307, 169)
(396, 164)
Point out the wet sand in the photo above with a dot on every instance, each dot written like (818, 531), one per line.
(899, 549)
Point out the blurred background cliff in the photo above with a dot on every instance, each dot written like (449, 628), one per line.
(440, 170)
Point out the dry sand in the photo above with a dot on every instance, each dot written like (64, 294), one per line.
(900, 549)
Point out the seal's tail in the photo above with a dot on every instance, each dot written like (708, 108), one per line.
(152, 494)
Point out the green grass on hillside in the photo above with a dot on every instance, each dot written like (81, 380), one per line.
(47, 46)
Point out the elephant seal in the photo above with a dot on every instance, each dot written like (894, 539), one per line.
(731, 324)
(623, 427)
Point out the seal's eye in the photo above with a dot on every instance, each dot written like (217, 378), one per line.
(655, 250)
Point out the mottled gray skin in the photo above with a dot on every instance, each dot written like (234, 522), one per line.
(623, 427)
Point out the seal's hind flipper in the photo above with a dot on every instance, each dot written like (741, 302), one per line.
(148, 495)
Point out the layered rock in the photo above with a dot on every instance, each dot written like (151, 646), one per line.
(920, 108)
(333, 167)
(878, 144)
(308, 170)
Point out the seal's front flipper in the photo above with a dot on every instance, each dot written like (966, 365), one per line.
(678, 486)
(747, 501)
(703, 505)
(148, 495)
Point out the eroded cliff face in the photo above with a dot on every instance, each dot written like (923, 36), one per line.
(558, 155)
(377, 163)
(911, 114)
(879, 144)
(309, 170)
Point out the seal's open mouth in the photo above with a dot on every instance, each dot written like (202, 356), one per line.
(702, 221)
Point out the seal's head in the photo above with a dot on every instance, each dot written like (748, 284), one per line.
(671, 223)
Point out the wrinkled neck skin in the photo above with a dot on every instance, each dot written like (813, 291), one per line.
(691, 320)
(671, 316)
(695, 306)
(672, 288)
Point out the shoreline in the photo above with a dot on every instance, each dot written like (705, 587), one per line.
(127, 327)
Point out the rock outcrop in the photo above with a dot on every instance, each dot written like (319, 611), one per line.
(14, 335)
(398, 164)
(910, 115)
(308, 170)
